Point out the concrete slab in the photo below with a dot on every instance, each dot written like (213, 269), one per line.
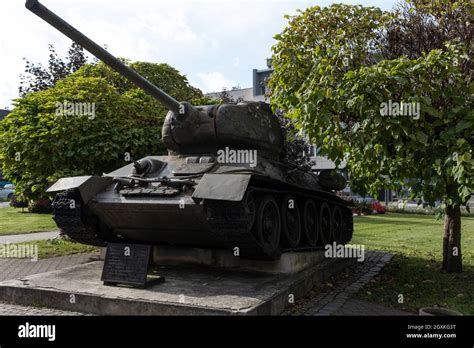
(289, 263)
(188, 290)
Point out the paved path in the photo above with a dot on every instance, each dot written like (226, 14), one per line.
(4, 204)
(361, 307)
(7, 309)
(28, 237)
(335, 296)
(18, 268)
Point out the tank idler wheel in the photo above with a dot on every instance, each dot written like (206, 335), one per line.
(325, 224)
(337, 225)
(268, 226)
(310, 222)
(290, 222)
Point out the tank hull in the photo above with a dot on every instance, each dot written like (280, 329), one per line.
(210, 211)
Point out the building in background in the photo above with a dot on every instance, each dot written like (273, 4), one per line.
(256, 92)
(259, 82)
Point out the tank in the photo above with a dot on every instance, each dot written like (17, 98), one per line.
(224, 183)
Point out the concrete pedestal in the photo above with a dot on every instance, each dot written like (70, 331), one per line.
(289, 263)
(189, 289)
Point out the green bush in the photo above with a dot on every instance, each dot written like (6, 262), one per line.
(363, 207)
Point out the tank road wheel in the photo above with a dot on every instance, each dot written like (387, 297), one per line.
(290, 222)
(337, 225)
(325, 218)
(310, 222)
(268, 225)
(250, 209)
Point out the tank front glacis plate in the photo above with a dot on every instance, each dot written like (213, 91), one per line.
(178, 220)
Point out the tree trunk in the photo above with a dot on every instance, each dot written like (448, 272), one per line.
(452, 260)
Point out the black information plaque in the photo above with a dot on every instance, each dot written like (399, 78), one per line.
(128, 264)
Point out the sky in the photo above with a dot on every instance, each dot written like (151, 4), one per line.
(215, 43)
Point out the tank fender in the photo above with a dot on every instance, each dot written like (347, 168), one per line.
(88, 186)
(227, 187)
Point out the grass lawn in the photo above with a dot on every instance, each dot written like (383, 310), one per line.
(415, 270)
(59, 247)
(14, 221)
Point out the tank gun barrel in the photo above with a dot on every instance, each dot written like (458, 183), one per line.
(44, 13)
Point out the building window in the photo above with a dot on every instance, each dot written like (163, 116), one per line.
(313, 151)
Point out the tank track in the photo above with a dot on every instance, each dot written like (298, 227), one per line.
(69, 215)
(230, 224)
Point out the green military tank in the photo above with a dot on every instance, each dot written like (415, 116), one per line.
(223, 184)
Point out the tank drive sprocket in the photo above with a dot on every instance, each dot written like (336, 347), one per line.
(73, 219)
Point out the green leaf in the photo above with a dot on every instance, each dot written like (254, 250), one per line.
(464, 124)
(422, 137)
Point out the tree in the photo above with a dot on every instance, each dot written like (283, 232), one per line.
(40, 143)
(227, 98)
(336, 70)
(297, 146)
(39, 78)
